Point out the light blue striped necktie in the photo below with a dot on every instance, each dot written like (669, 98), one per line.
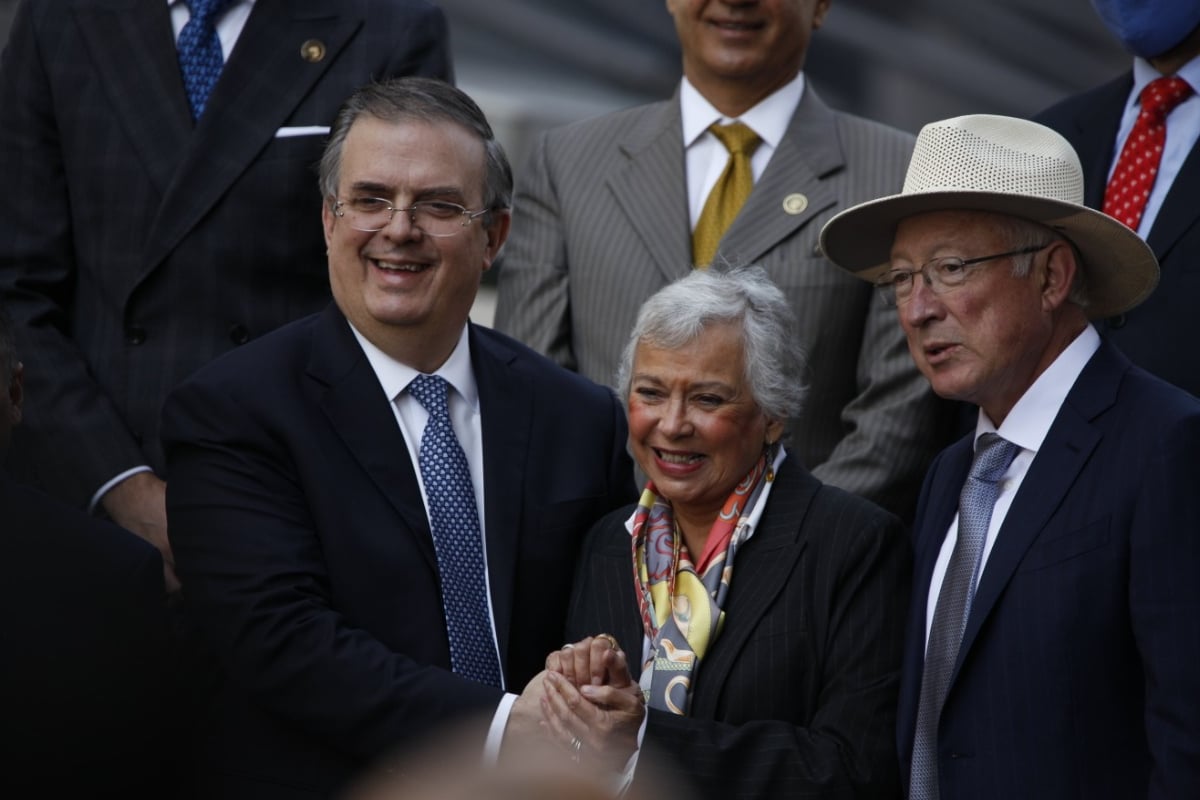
(992, 459)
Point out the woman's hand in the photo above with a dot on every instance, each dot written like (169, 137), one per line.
(596, 723)
(596, 660)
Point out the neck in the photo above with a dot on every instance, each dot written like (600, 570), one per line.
(1173, 60)
(733, 97)
(694, 531)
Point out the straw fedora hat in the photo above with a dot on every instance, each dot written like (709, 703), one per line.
(1008, 166)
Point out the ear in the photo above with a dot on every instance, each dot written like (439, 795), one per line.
(1058, 275)
(774, 430)
(497, 234)
(328, 218)
(819, 13)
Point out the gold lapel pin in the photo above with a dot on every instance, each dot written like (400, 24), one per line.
(312, 51)
(795, 204)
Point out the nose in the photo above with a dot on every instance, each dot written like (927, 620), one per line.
(401, 226)
(922, 305)
(674, 421)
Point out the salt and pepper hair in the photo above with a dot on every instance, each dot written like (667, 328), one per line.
(1021, 233)
(415, 99)
(744, 296)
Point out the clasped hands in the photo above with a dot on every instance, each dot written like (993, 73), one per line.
(586, 702)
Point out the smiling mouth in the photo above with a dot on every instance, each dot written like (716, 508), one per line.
(734, 25)
(677, 458)
(405, 267)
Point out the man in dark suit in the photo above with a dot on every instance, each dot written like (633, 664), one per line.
(607, 209)
(84, 676)
(306, 499)
(1164, 37)
(138, 239)
(1055, 625)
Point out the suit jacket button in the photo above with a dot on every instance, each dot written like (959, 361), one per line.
(1116, 322)
(135, 334)
(238, 334)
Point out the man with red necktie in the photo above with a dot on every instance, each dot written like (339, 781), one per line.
(1136, 137)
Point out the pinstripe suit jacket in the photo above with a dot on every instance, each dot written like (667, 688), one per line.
(601, 222)
(134, 247)
(1076, 677)
(798, 693)
(1089, 122)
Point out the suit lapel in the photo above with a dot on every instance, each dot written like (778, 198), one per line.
(132, 46)
(652, 188)
(264, 80)
(505, 402)
(1067, 447)
(1180, 210)
(350, 395)
(764, 565)
(809, 152)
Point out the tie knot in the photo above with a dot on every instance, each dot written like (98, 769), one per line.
(1161, 95)
(430, 391)
(207, 10)
(736, 136)
(993, 454)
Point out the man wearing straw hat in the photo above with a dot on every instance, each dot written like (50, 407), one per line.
(1055, 624)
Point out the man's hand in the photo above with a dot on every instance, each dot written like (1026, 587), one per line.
(139, 504)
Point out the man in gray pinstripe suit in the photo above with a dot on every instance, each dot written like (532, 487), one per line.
(605, 209)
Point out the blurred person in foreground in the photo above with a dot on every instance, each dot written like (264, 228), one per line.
(85, 680)
(610, 210)
(377, 509)
(760, 612)
(1055, 622)
(1136, 138)
(160, 160)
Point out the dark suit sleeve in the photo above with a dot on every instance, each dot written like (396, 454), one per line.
(1164, 597)
(258, 581)
(72, 422)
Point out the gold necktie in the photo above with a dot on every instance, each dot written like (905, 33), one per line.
(728, 193)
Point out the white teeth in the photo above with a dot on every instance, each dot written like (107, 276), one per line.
(398, 267)
(673, 458)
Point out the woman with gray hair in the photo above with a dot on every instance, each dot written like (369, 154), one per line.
(753, 616)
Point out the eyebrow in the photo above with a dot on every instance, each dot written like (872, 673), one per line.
(451, 192)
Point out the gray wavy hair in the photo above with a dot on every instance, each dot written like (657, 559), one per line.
(678, 313)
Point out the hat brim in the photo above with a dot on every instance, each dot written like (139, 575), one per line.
(1120, 267)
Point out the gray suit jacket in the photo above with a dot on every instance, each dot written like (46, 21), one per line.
(601, 222)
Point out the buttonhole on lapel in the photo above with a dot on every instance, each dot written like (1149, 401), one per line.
(312, 51)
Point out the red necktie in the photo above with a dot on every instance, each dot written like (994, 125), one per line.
(1131, 182)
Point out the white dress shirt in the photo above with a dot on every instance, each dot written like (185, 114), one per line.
(1183, 129)
(229, 24)
(1025, 426)
(706, 156)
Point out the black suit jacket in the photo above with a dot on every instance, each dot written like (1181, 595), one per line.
(134, 247)
(300, 534)
(1154, 333)
(798, 694)
(85, 691)
(1076, 677)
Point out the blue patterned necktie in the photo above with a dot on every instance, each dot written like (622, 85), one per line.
(454, 518)
(200, 57)
(992, 458)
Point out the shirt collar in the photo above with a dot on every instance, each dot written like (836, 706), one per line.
(395, 376)
(1029, 421)
(1143, 73)
(769, 118)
